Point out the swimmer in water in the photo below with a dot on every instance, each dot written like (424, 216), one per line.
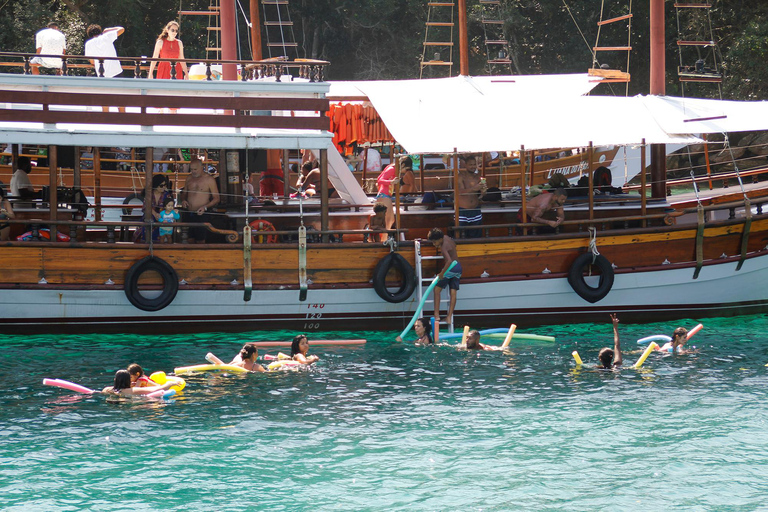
(138, 379)
(473, 342)
(247, 358)
(611, 358)
(679, 337)
(122, 386)
(423, 329)
(300, 348)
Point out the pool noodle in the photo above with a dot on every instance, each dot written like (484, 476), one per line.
(650, 348)
(213, 359)
(209, 367)
(655, 337)
(424, 297)
(275, 344)
(161, 393)
(509, 336)
(65, 384)
(577, 357)
(465, 335)
(694, 331)
(515, 336)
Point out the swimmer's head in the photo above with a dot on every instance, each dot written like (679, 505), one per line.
(423, 327)
(299, 345)
(135, 372)
(606, 357)
(248, 351)
(122, 380)
(680, 336)
(473, 340)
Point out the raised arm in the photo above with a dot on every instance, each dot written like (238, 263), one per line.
(617, 359)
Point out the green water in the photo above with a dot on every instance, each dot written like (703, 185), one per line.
(393, 427)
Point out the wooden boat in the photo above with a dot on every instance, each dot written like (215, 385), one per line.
(657, 261)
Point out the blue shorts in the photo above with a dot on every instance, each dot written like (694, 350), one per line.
(451, 278)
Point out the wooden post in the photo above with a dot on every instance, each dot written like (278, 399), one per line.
(148, 171)
(397, 199)
(706, 159)
(53, 200)
(228, 38)
(456, 191)
(533, 167)
(256, 32)
(76, 177)
(463, 39)
(421, 173)
(324, 216)
(658, 87)
(643, 179)
(522, 188)
(97, 183)
(590, 155)
(365, 164)
(286, 176)
(14, 160)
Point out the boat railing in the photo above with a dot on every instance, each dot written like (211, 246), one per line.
(278, 68)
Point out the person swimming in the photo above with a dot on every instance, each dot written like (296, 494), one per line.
(473, 342)
(611, 358)
(300, 348)
(247, 358)
(122, 386)
(423, 329)
(679, 338)
(138, 378)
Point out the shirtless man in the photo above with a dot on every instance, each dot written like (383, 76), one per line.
(447, 278)
(539, 205)
(470, 188)
(199, 194)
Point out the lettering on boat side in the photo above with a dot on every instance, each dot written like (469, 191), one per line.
(570, 169)
(312, 326)
(315, 306)
(311, 316)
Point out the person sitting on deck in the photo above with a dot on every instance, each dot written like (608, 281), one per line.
(679, 337)
(6, 212)
(538, 206)
(200, 193)
(21, 187)
(378, 222)
(447, 278)
(300, 348)
(611, 358)
(49, 41)
(469, 189)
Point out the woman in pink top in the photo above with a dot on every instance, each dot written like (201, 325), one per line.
(168, 47)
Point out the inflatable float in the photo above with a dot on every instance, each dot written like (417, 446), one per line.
(276, 344)
(500, 333)
(161, 378)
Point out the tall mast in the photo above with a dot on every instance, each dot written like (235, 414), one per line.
(228, 39)
(463, 41)
(658, 87)
(255, 31)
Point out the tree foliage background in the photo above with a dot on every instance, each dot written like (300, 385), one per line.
(380, 39)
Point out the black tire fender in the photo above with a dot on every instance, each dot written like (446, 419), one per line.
(579, 285)
(170, 284)
(131, 197)
(380, 272)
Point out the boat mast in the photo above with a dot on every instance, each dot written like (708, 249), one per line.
(228, 39)
(658, 87)
(463, 41)
(255, 31)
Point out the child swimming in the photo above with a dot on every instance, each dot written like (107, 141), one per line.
(300, 348)
(138, 379)
(611, 358)
(122, 386)
(679, 337)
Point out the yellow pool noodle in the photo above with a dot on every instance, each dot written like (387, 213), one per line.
(464, 336)
(577, 357)
(650, 348)
(509, 336)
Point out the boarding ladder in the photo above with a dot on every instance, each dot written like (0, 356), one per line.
(422, 281)
(278, 29)
(698, 53)
(496, 43)
(437, 50)
(611, 73)
(213, 43)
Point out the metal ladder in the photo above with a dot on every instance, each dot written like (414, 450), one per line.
(422, 280)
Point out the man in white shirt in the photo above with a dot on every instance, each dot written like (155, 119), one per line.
(21, 187)
(102, 44)
(49, 41)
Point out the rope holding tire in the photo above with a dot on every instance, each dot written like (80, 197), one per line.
(380, 272)
(170, 284)
(259, 227)
(580, 286)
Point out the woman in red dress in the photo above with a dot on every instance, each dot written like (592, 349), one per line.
(168, 47)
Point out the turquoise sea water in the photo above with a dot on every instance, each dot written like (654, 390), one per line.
(393, 426)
